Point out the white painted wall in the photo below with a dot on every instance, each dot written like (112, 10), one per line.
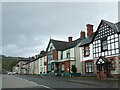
(78, 59)
(42, 67)
(51, 44)
(65, 53)
(36, 67)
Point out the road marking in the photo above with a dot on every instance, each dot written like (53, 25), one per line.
(47, 87)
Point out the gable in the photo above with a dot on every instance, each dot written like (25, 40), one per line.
(104, 30)
(102, 60)
(50, 44)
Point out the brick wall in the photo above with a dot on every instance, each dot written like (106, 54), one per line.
(67, 66)
(55, 54)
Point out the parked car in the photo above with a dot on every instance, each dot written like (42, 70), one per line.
(11, 73)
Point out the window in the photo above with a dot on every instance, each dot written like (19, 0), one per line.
(49, 67)
(112, 64)
(62, 67)
(86, 51)
(40, 62)
(45, 63)
(104, 46)
(61, 56)
(52, 66)
(89, 67)
(68, 54)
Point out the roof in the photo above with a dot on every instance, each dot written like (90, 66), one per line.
(42, 54)
(63, 45)
(87, 40)
(118, 26)
(25, 60)
(115, 26)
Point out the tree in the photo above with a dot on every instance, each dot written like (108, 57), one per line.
(74, 69)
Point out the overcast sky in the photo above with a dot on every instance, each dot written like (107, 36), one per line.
(27, 27)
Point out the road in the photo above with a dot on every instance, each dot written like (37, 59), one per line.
(29, 81)
(12, 81)
(0, 81)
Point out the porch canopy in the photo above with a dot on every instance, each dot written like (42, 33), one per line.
(102, 60)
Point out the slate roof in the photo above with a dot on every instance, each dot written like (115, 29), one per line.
(25, 60)
(90, 39)
(87, 40)
(118, 26)
(42, 54)
(63, 45)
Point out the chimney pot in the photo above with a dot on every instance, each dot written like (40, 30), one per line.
(70, 39)
(82, 34)
(89, 29)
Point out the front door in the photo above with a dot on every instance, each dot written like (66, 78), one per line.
(103, 68)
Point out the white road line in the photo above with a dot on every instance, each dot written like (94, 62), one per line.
(47, 87)
(37, 84)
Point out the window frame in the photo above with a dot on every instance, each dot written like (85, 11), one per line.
(103, 45)
(86, 51)
(88, 67)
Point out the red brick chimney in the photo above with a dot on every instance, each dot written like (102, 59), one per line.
(82, 34)
(70, 39)
(89, 29)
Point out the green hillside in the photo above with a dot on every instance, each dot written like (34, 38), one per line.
(9, 62)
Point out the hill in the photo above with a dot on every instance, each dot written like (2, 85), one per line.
(8, 62)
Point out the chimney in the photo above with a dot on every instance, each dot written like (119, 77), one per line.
(70, 39)
(89, 29)
(82, 34)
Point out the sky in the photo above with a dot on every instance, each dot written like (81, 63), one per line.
(28, 26)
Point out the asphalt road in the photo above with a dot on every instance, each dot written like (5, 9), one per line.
(52, 83)
(68, 82)
(0, 81)
(12, 81)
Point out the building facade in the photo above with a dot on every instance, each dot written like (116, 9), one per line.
(97, 53)
(62, 56)
(86, 55)
(19, 67)
(106, 49)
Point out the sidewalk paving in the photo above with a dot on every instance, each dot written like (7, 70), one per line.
(100, 83)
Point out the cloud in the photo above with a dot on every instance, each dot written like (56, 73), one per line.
(27, 27)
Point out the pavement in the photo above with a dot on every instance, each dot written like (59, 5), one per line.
(107, 83)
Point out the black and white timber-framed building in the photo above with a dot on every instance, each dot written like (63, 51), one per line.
(106, 49)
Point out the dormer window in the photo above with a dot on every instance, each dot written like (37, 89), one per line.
(86, 51)
(104, 45)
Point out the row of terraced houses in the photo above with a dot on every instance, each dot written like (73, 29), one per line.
(92, 54)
